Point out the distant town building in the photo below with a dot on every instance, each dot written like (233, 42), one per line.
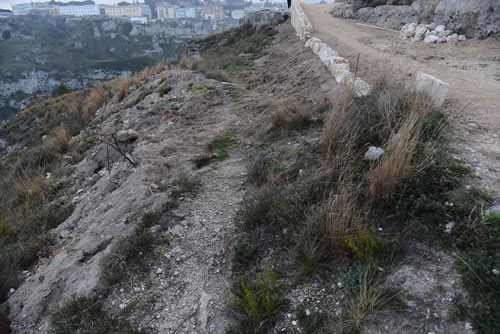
(237, 14)
(165, 10)
(86, 10)
(22, 9)
(185, 12)
(213, 12)
(4, 15)
(141, 20)
(55, 10)
(128, 11)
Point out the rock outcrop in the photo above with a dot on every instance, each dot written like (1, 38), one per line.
(472, 18)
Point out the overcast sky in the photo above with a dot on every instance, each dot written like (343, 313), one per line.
(7, 4)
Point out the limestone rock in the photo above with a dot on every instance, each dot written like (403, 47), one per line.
(440, 30)
(374, 153)
(452, 39)
(125, 136)
(462, 38)
(434, 87)
(431, 39)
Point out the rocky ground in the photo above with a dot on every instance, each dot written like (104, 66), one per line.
(186, 286)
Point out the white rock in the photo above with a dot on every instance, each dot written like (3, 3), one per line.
(312, 41)
(434, 87)
(339, 284)
(462, 38)
(373, 153)
(308, 313)
(420, 34)
(433, 26)
(431, 39)
(441, 40)
(452, 39)
(48, 175)
(449, 227)
(468, 326)
(12, 290)
(294, 323)
(344, 77)
(159, 271)
(440, 30)
(447, 33)
(495, 272)
(122, 306)
(361, 88)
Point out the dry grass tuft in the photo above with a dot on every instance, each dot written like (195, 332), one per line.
(123, 86)
(189, 63)
(290, 115)
(96, 99)
(160, 67)
(61, 138)
(343, 217)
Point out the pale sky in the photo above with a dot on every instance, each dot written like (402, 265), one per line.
(7, 4)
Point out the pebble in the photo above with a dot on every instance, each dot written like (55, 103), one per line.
(159, 271)
(12, 290)
(294, 323)
(468, 326)
(495, 272)
(308, 313)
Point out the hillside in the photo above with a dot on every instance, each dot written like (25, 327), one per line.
(239, 193)
(43, 52)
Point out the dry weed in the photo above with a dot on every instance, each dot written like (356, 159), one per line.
(123, 86)
(96, 99)
(189, 63)
(61, 138)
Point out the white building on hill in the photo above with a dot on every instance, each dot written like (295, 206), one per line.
(86, 10)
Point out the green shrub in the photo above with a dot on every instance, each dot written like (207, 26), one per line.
(364, 244)
(255, 299)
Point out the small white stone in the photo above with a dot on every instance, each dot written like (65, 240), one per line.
(12, 290)
(449, 227)
(159, 271)
(122, 306)
(468, 326)
(308, 313)
(339, 284)
(373, 153)
(294, 323)
(495, 272)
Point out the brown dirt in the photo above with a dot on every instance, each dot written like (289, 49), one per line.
(472, 69)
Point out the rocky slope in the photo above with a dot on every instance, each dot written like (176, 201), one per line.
(473, 18)
(205, 215)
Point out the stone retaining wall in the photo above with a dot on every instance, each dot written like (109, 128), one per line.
(338, 66)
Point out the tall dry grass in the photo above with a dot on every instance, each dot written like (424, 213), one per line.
(96, 99)
(61, 138)
(123, 88)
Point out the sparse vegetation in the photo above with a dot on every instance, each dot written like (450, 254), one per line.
(410, 184)
(185, 185)
(127, 256)
(87, 315)
(233, 59)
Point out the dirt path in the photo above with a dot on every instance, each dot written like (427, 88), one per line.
(472, 69)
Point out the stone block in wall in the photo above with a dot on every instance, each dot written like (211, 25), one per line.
(437, 89)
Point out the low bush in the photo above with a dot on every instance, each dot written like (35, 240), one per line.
(254, 301)
(185, 184)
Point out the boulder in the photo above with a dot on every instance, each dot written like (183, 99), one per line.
(452, 39)
(432, 86)
(441, 40)
(462, 38)
(361, 88)
(312, 41)
(344, 78)
(431, 39)
(265, 17)
(327, 55)
(440, 30)
(420, 33)
(126, 136)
